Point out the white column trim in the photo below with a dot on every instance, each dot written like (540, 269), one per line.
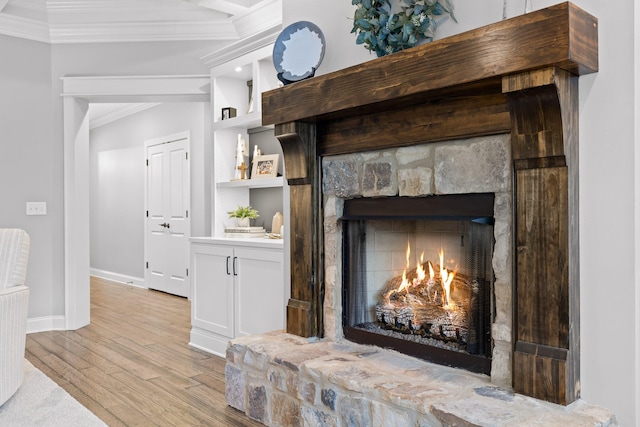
(77, 93)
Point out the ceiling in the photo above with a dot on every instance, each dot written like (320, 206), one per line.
(95, 21)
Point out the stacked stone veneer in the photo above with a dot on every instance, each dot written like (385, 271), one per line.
(477, 165)
(284, 380)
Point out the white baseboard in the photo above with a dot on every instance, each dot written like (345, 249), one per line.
(47, 323)
(117, 277)
(57, 323)
(208, 341)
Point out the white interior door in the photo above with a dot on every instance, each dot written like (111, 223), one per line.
(167, 228)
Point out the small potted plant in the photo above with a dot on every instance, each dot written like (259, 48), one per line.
(243, 215)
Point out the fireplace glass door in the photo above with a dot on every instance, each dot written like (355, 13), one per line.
(418, 277)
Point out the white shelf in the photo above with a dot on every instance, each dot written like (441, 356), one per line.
(245, 121)
(253, 183)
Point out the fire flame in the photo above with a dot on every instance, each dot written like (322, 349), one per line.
(405, 283)
(420, 270)
(446, 278)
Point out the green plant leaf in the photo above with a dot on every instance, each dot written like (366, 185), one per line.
(363, 24)
(384, 32)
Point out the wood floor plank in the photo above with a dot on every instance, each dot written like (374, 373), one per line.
(132, 366)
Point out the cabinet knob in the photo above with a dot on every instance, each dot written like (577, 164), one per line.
(165, 225)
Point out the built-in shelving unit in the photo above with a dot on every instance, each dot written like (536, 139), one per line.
(238, 84)
(238, 284)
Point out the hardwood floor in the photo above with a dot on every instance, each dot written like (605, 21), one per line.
(132, 366)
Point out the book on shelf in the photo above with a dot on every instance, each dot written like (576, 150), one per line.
(246, 232)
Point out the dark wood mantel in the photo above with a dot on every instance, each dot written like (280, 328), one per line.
(517, 76)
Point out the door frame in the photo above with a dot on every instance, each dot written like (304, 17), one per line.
(78, 93)
(150, 143)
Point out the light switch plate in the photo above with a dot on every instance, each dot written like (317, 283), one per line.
(36, 208)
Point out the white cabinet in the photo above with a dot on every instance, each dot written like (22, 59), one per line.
(237, 288)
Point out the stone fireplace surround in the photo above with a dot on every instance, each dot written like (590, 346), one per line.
(476, 165)
(475, 84)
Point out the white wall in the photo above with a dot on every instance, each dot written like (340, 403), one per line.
(117, 183)
(27, 150)
(31, 127)
(610, 304)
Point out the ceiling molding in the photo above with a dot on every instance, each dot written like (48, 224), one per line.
(222, 6)
(35, 9)
(96, 21)
(143, 32)
(24, 28)
(263, 16)
(242, 47)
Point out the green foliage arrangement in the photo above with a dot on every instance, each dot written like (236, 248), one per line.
(244, 212)
(384, 32)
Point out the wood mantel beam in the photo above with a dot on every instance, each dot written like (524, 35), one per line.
(562, 36)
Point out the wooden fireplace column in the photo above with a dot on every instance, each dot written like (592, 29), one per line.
(544, 149)
(519, 76)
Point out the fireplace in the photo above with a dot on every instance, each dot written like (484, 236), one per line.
(474, 84)
(417, 276)
(387, 212)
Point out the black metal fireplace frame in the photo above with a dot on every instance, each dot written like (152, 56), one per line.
(477, 207)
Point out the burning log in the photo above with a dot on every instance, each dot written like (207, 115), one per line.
(437, 306)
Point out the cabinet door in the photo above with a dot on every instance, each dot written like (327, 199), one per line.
(259, 291)
(212, 290)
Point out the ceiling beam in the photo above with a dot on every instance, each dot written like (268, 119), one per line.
(222, 6)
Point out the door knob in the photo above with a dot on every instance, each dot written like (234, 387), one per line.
(165, 225)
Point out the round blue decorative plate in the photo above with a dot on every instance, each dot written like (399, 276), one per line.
(298, 51)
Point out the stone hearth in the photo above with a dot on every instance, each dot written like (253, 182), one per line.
(284, 380)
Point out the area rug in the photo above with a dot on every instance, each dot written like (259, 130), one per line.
(40, 402)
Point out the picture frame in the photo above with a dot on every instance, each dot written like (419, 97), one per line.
(228, 113)
(265, 166)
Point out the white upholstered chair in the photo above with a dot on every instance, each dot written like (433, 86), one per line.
(14, 301)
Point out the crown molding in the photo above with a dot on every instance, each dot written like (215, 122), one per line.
(35, 9)
(242, 47)
(100, 21)
(265, 21)
(24, 28)
(222, 6)
(258, 18)
(143, 32)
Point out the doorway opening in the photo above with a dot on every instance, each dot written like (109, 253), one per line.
(78, 93)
